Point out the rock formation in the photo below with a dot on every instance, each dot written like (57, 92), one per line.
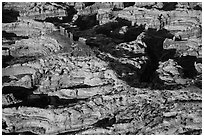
(111, 68)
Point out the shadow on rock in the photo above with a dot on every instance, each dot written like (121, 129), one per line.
(153, 51)
(187, 63)
(168, 6)
(18, 92)
(10, 60)
(9, 15)
(36, 100)
(126, 72)
(128, 4)
(86, 21)
(168, 54)
(12, 36)
(154, 40)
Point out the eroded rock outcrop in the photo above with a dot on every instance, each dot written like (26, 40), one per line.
(164, 115)
(171, 73)
(37, 10)
(138, 73)
(42, 45)
(28, 28)
(184, 21)
(191, 47)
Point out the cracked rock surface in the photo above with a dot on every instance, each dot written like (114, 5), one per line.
(133, 69)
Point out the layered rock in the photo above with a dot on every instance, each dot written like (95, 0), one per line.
(100, 5)
(26, 40)
(28, 28)
(38, 46)
(171, 73)
(147, 112)
(79, 81)
(75, 75)
(190, 5)
(191, 47)
(187, 54)
(37, 10)
(59, 75)
(186, 22)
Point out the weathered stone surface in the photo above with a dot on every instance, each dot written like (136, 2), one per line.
(139, 73)
(190, 47)
(25, 81)
(181, 20)
(17, 70)
(121, 107)
(170, 73)
(76, 74)
(38, 46)
(37, 10)
(28, 28)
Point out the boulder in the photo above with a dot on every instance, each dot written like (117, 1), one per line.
(171, 73)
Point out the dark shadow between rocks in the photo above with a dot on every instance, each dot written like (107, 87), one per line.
(197, 7)
(5, 60)
(36, 100)
(128, 4)
(187, 63)
(154, 51)
(10, 60)
(19, 133)
(168, 54)
(116, 8)
(12, 36)
(45, 101)
(105, 37)
(123, 70)
(154, 40)
(86, 21)
(192, 132)
(88, 3)
(18, 91)
(9, 15)
(168, 6)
